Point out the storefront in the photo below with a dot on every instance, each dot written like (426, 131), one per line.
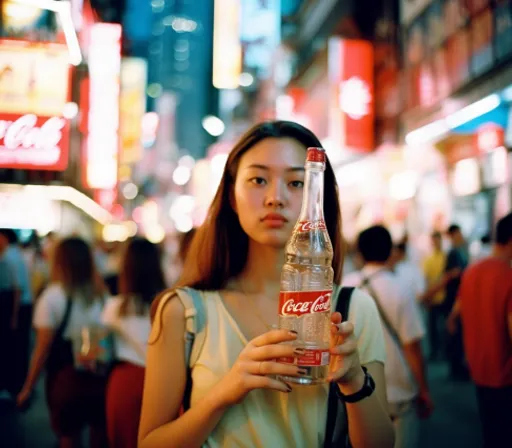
(458, 76)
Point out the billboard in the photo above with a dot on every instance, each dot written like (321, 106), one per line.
(227, 48)
(34, 78)
(132, 108)
(352, 102)
(102, 144)
(33, 142)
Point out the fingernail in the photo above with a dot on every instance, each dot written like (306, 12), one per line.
(299, 351)
(302, 371)
(293, 333)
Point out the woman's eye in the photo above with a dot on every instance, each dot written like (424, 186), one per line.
(257, 181)
(296, 183)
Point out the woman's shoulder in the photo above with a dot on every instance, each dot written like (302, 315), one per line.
(167, 314)
(53, 293)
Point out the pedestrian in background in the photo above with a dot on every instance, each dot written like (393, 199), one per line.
(22, 312)
(71, 303)
(140, 280)
(485, 306)
(405, 370)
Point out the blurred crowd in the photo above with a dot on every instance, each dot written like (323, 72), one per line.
(96, 301)
(90, 307)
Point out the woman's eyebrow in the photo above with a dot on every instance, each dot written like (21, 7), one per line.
(267, 168)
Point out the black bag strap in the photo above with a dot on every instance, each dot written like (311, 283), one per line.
(366, 284)
(64, 323)
(343, 306)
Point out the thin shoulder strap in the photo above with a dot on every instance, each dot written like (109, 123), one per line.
(195, 316)
(343, 307)
(195, 333)
(383, 316)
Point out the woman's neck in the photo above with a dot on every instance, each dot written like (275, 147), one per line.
(262, 272)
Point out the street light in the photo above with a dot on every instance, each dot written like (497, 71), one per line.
(213, 125)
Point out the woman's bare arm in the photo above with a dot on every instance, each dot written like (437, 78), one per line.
(164, 387)
(368, 420)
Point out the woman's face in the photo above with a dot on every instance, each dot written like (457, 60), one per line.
(268, 190)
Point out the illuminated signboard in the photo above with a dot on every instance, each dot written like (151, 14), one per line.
(102, 146)
(34, 78)
(32, 142)
(132, 108)
(227, 49)
(352, 110)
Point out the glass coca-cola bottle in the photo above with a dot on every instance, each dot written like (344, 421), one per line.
(307, 278)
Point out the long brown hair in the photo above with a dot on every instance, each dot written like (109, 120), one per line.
(73, 268)
(218, 251)
(141, 276)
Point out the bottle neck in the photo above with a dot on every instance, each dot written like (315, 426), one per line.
(313, 198)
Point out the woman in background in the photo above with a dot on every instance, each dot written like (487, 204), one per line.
(140, 279)
(73, 300)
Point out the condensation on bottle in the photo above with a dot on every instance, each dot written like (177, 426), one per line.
(307, 278)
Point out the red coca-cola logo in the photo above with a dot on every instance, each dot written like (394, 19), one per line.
(304, 302)
(28, 141)
(308, 226)
(24, 133)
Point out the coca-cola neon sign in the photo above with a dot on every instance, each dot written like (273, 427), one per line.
(32, 142)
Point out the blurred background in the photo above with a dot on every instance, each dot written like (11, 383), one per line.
(117, 116)
(129, 108)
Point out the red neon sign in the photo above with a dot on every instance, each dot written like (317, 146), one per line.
(34, 143)
(352, 103)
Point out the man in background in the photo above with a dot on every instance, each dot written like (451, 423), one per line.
(434, 269)
(22, 317)
(405, 371)
(485, 307)
(456, 262)
(8, 321)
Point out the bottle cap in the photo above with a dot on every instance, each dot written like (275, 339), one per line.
(316, 155)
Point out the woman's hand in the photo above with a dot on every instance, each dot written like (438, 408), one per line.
(23, 397)
(344, 367)
(257, 364)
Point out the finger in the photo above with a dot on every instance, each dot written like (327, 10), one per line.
(265, 382)
(264, 368)
(336, 318)
(270, 352)
(345, 349)
(344, 329)
(274, 337)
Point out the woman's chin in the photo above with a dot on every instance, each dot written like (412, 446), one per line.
(276, 240)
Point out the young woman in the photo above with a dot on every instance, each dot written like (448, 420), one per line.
(140, 279)
(235, 260)
(73, 300)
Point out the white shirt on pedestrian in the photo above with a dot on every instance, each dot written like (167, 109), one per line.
(51, 308)
(411, 279)
(137, 327)
(404, 317)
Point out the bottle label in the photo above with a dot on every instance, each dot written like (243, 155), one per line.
(308, 226)
(298, 303)
(317, 357)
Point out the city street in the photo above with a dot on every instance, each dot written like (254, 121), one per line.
(454, 423)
